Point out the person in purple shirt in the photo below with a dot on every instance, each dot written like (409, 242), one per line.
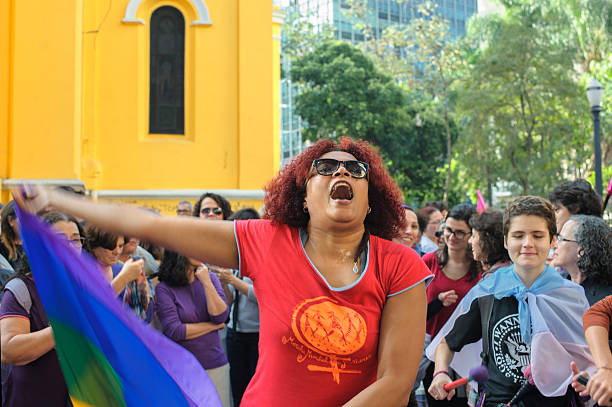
(191, 308)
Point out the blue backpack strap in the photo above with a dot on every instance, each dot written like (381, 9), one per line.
(19, 289)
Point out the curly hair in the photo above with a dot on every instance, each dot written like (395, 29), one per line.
(461, 212)
(531, 205)
(285, 194)
(490, 227)
(223, 203)
(8, 237)
(172, 269)
(594, 237)
(578, 197)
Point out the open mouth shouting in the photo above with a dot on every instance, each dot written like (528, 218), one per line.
(342, 191)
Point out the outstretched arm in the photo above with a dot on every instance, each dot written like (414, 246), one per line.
(400, 346)
(209, 241)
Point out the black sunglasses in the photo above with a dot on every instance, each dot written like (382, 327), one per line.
(216, 211)
(327, 166)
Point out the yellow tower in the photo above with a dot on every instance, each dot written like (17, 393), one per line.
(150, 101)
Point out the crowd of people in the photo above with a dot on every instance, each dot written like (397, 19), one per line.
(362, 299)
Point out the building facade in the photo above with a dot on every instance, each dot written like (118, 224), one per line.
(381, 14)
(147, 101)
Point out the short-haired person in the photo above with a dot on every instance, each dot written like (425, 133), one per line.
(487, 241)
(342, 308)
(597, 323)
(526, 315)
(184, 208)
(128, 279)
(575, 198)
(429, 241)
(584, 251)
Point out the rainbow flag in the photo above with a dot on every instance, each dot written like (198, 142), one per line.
(109, 357)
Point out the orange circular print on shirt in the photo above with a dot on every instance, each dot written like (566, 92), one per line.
(331, 328)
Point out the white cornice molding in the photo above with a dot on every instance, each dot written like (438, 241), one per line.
(198, 5)
(231, 194)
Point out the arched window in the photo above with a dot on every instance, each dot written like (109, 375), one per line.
(167, 72)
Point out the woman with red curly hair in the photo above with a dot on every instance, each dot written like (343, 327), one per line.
(342, 308)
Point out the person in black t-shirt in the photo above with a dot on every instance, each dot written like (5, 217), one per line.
(529, 232)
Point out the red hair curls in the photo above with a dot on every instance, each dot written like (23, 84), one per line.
(285, 194)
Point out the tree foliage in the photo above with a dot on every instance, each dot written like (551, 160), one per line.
(344, 94)
(505, 106)
(422, 57)
(524, 111)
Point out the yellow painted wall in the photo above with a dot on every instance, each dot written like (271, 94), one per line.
(74, 94)
(5, 75)
(45, 113)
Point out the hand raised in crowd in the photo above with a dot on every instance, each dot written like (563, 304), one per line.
(448, 298)
(599, 386)
(436, 389)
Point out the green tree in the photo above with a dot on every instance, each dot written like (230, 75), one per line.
(422, 57)
(523, 108)
(343, 94)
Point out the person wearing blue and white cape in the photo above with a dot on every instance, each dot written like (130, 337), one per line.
(529, 315)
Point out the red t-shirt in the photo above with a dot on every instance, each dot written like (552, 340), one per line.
(317, 344)
(438, 285)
